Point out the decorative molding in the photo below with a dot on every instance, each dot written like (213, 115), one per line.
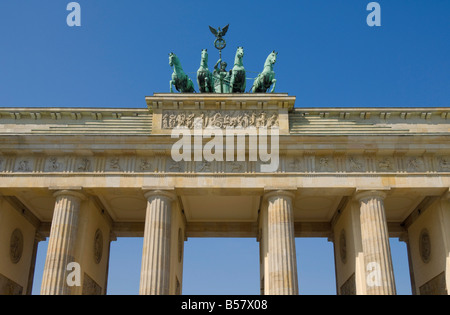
(162, 163)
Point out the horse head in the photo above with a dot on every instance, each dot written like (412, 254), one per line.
(273, 57)
(240, 52)
(239, 56)
(204, 56)
(173, 59)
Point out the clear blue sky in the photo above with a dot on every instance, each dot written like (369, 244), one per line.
(328, 57)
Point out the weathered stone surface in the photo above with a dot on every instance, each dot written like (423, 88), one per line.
(326, 155)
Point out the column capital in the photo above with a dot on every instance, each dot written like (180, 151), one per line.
(39, 237)
(363, 194)
(268, 194)
(161, 192)
(69, 191)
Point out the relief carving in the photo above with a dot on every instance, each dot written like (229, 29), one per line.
(205, 167)
(54, 165)
(343, 246)
(174, 166)
(325, 164)
(295, 165)
(414, 164)
(425, 246)
(90, 287)
(436, 286)
(145, 165)
(220, 119)
(355, 165)
(235, 167)
(16, 246)
(84, 165)
(9, 287)
(114, 164)
(444, 164)
(24, 166)
(385, 164)
(98, 246)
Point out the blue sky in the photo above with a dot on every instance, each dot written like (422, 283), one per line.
(327, 57)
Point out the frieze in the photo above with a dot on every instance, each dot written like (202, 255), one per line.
(219, 119)
(24, 165)
(162, 163)
(444, 164)
(54, 164)
(385, 164)
(83, 164)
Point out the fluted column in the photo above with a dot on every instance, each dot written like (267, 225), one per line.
(375, 243)
(155, 270)
(61, 244)
(282, 260)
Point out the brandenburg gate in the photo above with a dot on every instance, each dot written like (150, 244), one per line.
(82, 177)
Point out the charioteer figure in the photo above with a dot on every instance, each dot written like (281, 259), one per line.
(222, 77)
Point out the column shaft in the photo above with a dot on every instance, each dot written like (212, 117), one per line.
(375, 243)
(281, 245)
(155, 270)
(61, 244)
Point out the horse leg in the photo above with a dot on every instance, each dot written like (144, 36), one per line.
(255, 85)
(207, 84)
(190, 85)
(199, 82)
(211, 83)
(232, 82)
(274, 82)
(171, 86)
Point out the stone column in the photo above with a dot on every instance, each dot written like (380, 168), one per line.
(282, 260)
(375, 244)
(61, 246)
(37, 238)
(155, 270)
(405, 238)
